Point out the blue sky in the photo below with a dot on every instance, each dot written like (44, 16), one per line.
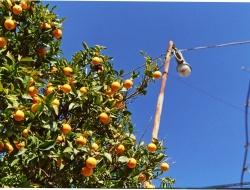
(205, 137)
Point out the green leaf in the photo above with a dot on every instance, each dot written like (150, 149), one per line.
(97, 88)
(123, 159)
(47, 145)
(27, 59)
(108, 156)
(62, 19)
(76, 151)
(130, 128)
(53, 8)
(22, 151)
(159, 157)
(46, 126)
(85, 46)
(49, 16)
(14, 162)
(121, 72)
(1, 87)
(55, 107)
(68, 149)
(1, 127)
(9, 55)
(26, 80)
(71, 105)
(50, 97)
(125, 113)
(128, 141)
(12, 97)
(26, 96)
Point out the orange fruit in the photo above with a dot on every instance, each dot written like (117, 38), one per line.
(151, 147)
(107, 121)
(59, 139)
(87, 171)
(49, 90)
(131, 163)
(19, 115)
(66, 88)
(57, 33)
(9, 24)
(110, 92)
(25, 132)
(120, 149)
(36, 99)
(34, 107)
(164, 167)
(3, 42)
(91, 162)
(142, 177)
(45, 26)
(96, 60)
(24, 5)
(128, 83)
(55, 102)
(115, 86)
(41, 51)
(81, 140)
(94, 146)
(83, 90)
(9, 147)
(17, 9)
(149, 186)
(1, 145)
(120, 105)
(157, 74)
(67, 71)
(103, 117)
(20, 145)
(15, 24)
(33, 91)
(66, 128)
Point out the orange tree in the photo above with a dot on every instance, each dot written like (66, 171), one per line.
(66, 123)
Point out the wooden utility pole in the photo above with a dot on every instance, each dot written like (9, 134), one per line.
(161, 94)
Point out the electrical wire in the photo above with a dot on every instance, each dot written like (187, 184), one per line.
(214, 97)
(196, 48)
(227, 185)
(244, 168)
(215, 46)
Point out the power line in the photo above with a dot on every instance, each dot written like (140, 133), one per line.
(196, 48)
(244, 168)
(228, 185)
(214, 97)
(215, 46)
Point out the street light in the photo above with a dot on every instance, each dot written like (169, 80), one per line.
(183, 68)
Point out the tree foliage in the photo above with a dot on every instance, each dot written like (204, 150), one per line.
(36, 148)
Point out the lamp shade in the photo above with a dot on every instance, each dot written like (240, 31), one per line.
(184, 69)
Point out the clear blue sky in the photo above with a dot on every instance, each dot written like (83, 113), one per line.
(205, 137)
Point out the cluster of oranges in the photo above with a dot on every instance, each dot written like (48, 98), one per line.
(11, 24)
(91, 163)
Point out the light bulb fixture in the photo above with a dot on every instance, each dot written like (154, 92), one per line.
(183, 68)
